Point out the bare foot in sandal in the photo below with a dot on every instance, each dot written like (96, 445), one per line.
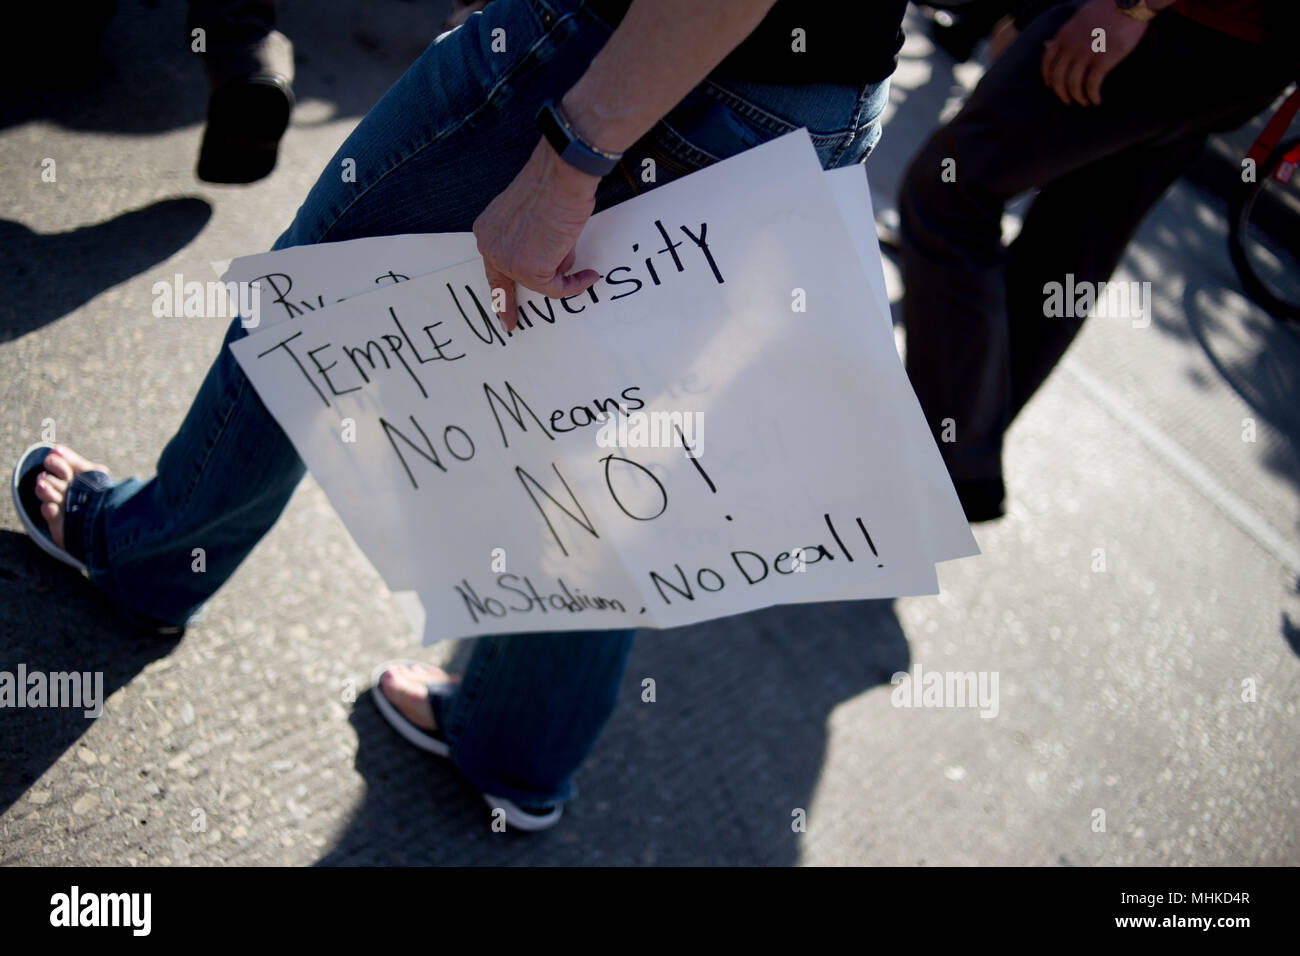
(61, 466)
(407, 689)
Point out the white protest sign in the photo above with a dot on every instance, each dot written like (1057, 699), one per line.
(723, 301)
(941, 519)
(301, 281)
(853, 197)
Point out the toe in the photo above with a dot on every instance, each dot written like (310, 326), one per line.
(49, 511)
(58, 466)
(404, 672)
(50, 488)
(425, 674)
(77, 463)
(409, 696)
(399, 682)
(395, 683)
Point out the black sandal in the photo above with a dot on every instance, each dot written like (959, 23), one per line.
(81, 491)
(83, 488)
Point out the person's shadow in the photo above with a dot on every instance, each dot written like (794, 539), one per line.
(48, 275)
(55, 624)
(720, 768)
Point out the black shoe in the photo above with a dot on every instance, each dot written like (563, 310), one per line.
(246, 118)
(982, 498)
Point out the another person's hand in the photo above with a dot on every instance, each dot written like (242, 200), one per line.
(528, 233)
(660, 50)
(1071, 68)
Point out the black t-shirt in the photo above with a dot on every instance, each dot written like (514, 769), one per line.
(833, 41)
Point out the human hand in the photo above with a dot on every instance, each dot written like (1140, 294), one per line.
(528, 233)
(1070, 65)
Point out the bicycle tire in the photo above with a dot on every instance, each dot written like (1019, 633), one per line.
(1243, 204)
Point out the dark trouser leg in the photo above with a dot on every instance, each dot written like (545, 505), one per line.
(1078, 225)
(970, 370)
(239, 39)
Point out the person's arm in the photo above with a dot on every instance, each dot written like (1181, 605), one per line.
(659, 52)
(1071, 64)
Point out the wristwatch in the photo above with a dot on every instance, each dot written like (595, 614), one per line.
(1137, 9)
(571, 147)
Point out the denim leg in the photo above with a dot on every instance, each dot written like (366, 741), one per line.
(447, 137)
(221, 483)
(529, 709)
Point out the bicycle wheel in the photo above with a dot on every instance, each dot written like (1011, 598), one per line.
(1264, 237)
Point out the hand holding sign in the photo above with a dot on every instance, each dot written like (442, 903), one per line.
(528, 233)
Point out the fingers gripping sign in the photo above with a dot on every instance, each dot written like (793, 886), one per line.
(1091, 43)
(527, 235)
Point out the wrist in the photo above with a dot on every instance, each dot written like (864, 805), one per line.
(569, 144)
(603, 129)
(557, 174)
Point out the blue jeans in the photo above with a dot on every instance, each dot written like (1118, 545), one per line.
(448, 136)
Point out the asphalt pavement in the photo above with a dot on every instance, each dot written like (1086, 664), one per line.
(1140, 603)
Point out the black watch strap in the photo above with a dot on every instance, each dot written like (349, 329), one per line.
(570, 146)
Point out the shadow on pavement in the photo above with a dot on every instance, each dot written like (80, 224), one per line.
(53, 622)
(1257, 356)
(1291, 633)
(710, 772)
(46, 276)
(1291, 629)
(1259, 359)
